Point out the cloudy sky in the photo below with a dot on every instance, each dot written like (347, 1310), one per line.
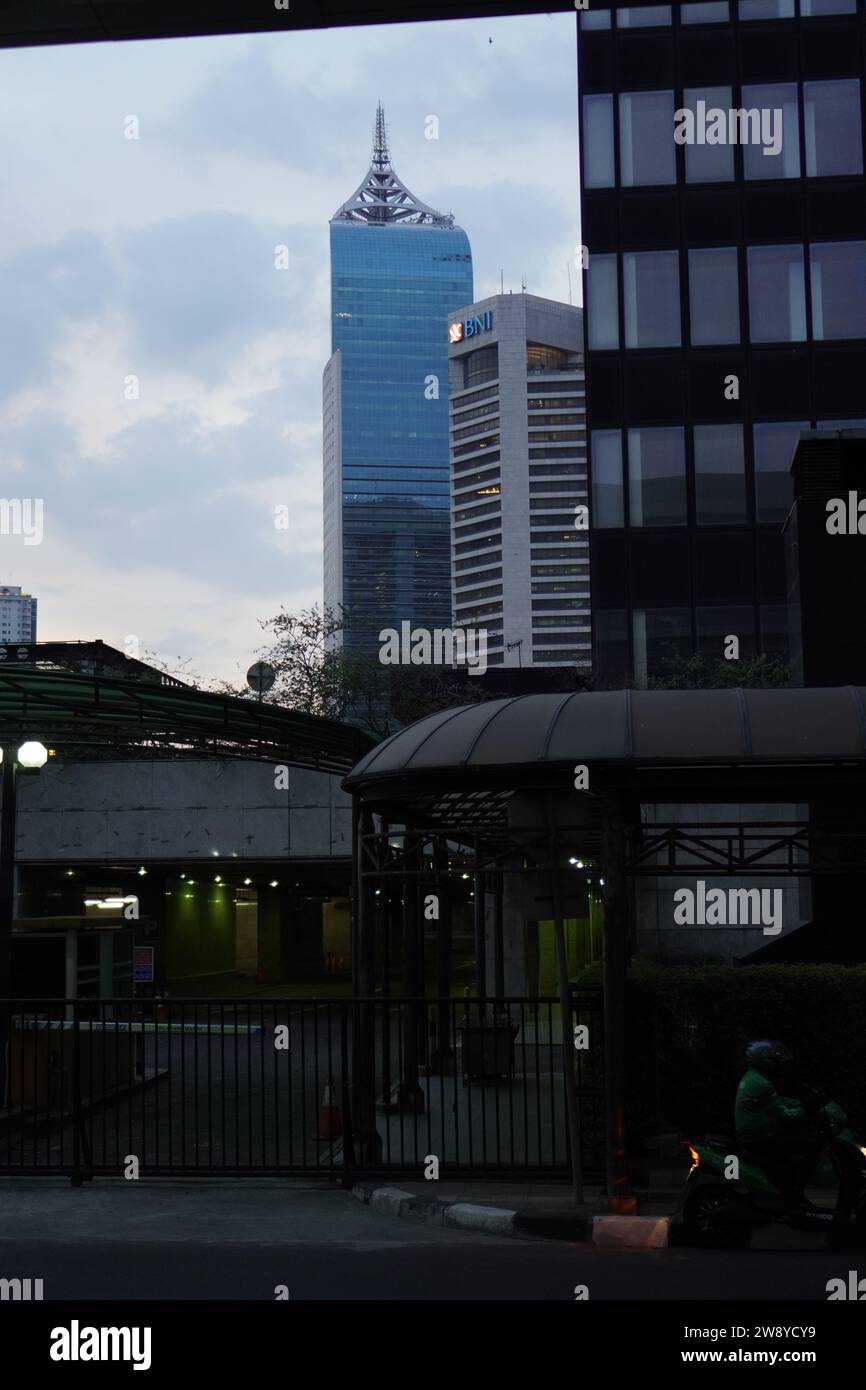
(153, 258)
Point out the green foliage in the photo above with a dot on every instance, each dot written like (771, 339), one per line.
(688, 1025)
(697, 673)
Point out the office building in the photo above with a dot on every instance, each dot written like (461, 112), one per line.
(17, 615)
(520, 548)
(725, 306)
(397, 269)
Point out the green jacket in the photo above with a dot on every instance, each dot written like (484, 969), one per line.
(761, 1113)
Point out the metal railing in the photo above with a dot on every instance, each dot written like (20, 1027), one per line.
(276, 1086)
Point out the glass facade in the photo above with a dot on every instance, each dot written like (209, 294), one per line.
(725, 307)
(393, 288)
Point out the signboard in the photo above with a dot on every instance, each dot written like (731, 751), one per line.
(470, 328)
(260, 677)
(142, 965)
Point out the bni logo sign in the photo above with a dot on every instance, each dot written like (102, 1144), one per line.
(468, 328)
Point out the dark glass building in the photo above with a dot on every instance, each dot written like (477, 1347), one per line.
(725, 296)
(397, 269)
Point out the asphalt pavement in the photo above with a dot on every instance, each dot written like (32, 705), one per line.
(241, 1240)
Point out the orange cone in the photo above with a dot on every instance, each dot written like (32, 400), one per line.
(330, 1119)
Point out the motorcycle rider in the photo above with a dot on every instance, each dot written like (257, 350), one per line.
(773, 1130)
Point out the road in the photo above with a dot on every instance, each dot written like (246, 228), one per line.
(112, 1240)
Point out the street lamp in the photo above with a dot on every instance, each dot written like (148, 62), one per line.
(31, 756)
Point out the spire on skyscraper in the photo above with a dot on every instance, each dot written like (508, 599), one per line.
(381, 153)
(383, 198)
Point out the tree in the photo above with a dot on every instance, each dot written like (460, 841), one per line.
(698, 673)
(318, 676)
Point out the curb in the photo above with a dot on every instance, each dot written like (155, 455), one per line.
(611, 1232)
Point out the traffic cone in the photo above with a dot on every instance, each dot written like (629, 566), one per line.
(330, 1119)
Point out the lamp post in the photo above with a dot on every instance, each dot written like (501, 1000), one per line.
(32, 756)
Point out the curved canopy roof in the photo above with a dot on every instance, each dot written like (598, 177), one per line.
(520, 742)
(87, 716)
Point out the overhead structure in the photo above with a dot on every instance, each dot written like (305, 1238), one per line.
(84, 716)
(520, 788)
(30, 22)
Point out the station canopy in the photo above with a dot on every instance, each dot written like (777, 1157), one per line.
(93, 717)
(461, 766)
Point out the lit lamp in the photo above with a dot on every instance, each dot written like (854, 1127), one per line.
(33, 755)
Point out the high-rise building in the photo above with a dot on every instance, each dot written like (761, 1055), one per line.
(520, 562)
(724, 219)
(397, 269)
(17, 615)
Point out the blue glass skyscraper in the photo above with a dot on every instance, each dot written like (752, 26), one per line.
(397, 269)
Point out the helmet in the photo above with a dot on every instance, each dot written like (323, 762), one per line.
(767, 1056)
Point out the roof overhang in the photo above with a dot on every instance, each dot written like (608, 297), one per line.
(92, 717)
(25, 23)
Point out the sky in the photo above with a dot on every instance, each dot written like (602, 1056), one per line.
(160, 376)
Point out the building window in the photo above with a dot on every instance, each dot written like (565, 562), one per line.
(645, 17)
(720, 480)
(714, 625)
(810, 8)
(774, 449)
(602, 303)
(765, 9)
(834, 138)
(651, 296)
(595, 19)
(777, 294)
(708, 163)
(775, 635)
(541, 358)
(837, 272)
(713, 13)
(611, 644)
(661, 636)
(772, 131)
(714, 296)
(598, 168)
(481, 365)
(657, 477)
(607, 488)
(646, 146)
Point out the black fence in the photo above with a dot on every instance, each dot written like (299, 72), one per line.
(269, 1086)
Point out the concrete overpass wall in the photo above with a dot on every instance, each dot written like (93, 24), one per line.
(180, 810)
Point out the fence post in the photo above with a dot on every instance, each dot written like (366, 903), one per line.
(348, 1139)
(77, 1175)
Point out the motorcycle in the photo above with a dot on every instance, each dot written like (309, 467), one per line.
(720, 1211)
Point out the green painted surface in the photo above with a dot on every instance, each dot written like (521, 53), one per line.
(199, 928)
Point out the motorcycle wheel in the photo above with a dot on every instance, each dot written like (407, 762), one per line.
(704, 1223)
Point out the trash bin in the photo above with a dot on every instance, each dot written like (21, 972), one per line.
(487, 1051)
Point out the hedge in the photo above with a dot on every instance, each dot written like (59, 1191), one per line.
(687, 1026)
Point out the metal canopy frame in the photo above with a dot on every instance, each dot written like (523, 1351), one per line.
(468, 778)
(86, 716)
